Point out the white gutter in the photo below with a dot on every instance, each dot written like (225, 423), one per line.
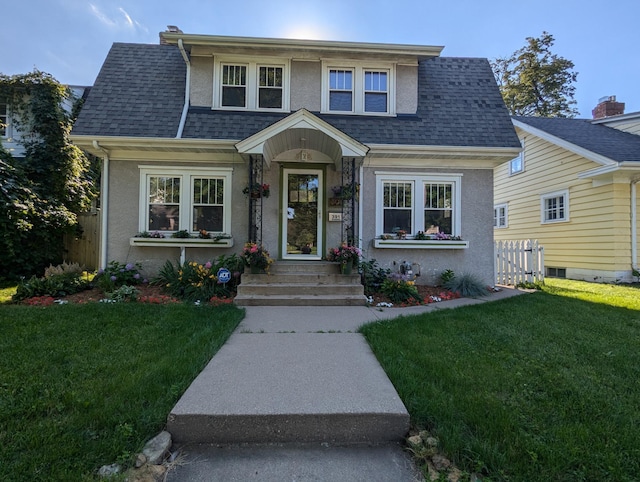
(360, 209)
(104, 194)
(634, 224)
(185, 109)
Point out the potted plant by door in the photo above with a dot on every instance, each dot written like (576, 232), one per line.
(256, 258)
(347, 256)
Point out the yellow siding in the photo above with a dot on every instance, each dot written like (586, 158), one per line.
(597, 235)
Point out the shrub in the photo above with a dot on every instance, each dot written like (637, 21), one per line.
(117, 274)
(446, 276)
(59, 281)
(399, 290)
(124, 293)
(467, 285)
(193, 281)
(372, 276)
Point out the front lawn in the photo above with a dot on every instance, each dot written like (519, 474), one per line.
(86, 385)
(539, 387)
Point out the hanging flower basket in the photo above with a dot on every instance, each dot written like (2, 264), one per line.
(257, 190)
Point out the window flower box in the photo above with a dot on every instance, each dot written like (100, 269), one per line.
(394, 243)
(226, 242)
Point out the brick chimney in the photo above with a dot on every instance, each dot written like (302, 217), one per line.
(607, 106)
(170, 29)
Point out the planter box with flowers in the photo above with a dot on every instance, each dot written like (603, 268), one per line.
(347, 256)
(256, 257)
(257, 190)
(181, 239)
(420, 241)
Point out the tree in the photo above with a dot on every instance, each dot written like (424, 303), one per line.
(44, 190)
(535, 82)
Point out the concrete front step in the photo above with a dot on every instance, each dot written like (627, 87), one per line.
(294, 387)
(301, 283)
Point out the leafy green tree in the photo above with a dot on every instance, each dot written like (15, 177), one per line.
(43, 191)
(536, 82)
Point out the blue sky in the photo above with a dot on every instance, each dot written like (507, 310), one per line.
(70, 38)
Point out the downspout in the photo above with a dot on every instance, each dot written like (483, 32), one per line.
(634, 224)
(360, 208)
(185, 109)
(105, 205)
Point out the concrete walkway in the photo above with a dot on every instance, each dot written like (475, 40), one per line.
(296, 394)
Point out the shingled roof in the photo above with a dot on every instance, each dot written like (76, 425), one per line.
(140, 92)
(606, 141)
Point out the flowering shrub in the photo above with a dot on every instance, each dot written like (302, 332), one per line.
(194, 281)
(58, 281)
(400, 290)
(118, 274)
(345, 254)
(255, 255)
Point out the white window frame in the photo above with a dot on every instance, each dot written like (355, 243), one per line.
(366, 91)
(504, 217)
(359, 69)
(517, 161)
(5, 119)
(253, 81)
(418, 200)
(187, 176)
(564, 195)
(223, 85)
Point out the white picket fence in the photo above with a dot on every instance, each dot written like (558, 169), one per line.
(518, 262)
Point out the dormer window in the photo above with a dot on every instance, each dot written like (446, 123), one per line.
(350, 88)
(251, 85)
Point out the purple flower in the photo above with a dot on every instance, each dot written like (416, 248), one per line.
(208, 265)
(100, 271)
(145, 280)
(136, 276)
(128, 267)
(113, 278)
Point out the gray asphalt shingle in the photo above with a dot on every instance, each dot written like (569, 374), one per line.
(140, 91)
(598, 138)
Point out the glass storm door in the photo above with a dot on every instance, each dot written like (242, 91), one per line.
(302, 214)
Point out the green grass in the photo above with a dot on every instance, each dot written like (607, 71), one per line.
(86, 385)
(540, 387)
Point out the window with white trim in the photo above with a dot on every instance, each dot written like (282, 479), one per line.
(244, 83)
(500, 216)
(554, 207)
(186, 199)
(4, 119)
(516, 165)
(422, 202)
(358, 88)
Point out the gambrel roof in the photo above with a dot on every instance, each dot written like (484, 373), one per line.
(139, 92)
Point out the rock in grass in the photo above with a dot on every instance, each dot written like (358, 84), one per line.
(157, 447)
(109, 470)
(415, 441)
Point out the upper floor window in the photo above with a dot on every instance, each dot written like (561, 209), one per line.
(516, 165)
(234, 86)
(554, 207)
(249, 84)
(500, 216)
(430, 203)
(191, 200)
(354, 88)
(4, 119)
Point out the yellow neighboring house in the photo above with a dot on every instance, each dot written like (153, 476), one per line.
(574, 187)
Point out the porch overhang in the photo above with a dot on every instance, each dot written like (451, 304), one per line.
(302, 131)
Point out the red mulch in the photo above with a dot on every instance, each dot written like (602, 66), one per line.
(425, 292)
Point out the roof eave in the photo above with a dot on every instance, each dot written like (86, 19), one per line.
(495, 154)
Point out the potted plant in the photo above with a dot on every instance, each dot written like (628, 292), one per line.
(256, 257)
(347, 256)
(257, 190)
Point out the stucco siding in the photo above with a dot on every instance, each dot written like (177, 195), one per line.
(306, 86)
(476, 227)
(597, 235)
(201, 94)
(406, 89)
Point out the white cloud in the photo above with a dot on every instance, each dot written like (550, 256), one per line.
(116, 19)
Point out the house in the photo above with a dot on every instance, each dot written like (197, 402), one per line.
(574, 188)
(299, 145)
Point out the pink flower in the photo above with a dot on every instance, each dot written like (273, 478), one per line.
(208, 265)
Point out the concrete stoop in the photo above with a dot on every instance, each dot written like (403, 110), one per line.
(294, 388)
(310, 283)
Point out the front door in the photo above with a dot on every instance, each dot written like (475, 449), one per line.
(302, 214)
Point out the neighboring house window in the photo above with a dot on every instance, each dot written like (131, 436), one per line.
(516, 165)
(375, 91)
(418, 202)
(4, 119)
(500, 216)
(252, 85)
(351, 87)
(341, 90)
(234, 85)
(270, 87)
(554, 207)
(185, 199)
